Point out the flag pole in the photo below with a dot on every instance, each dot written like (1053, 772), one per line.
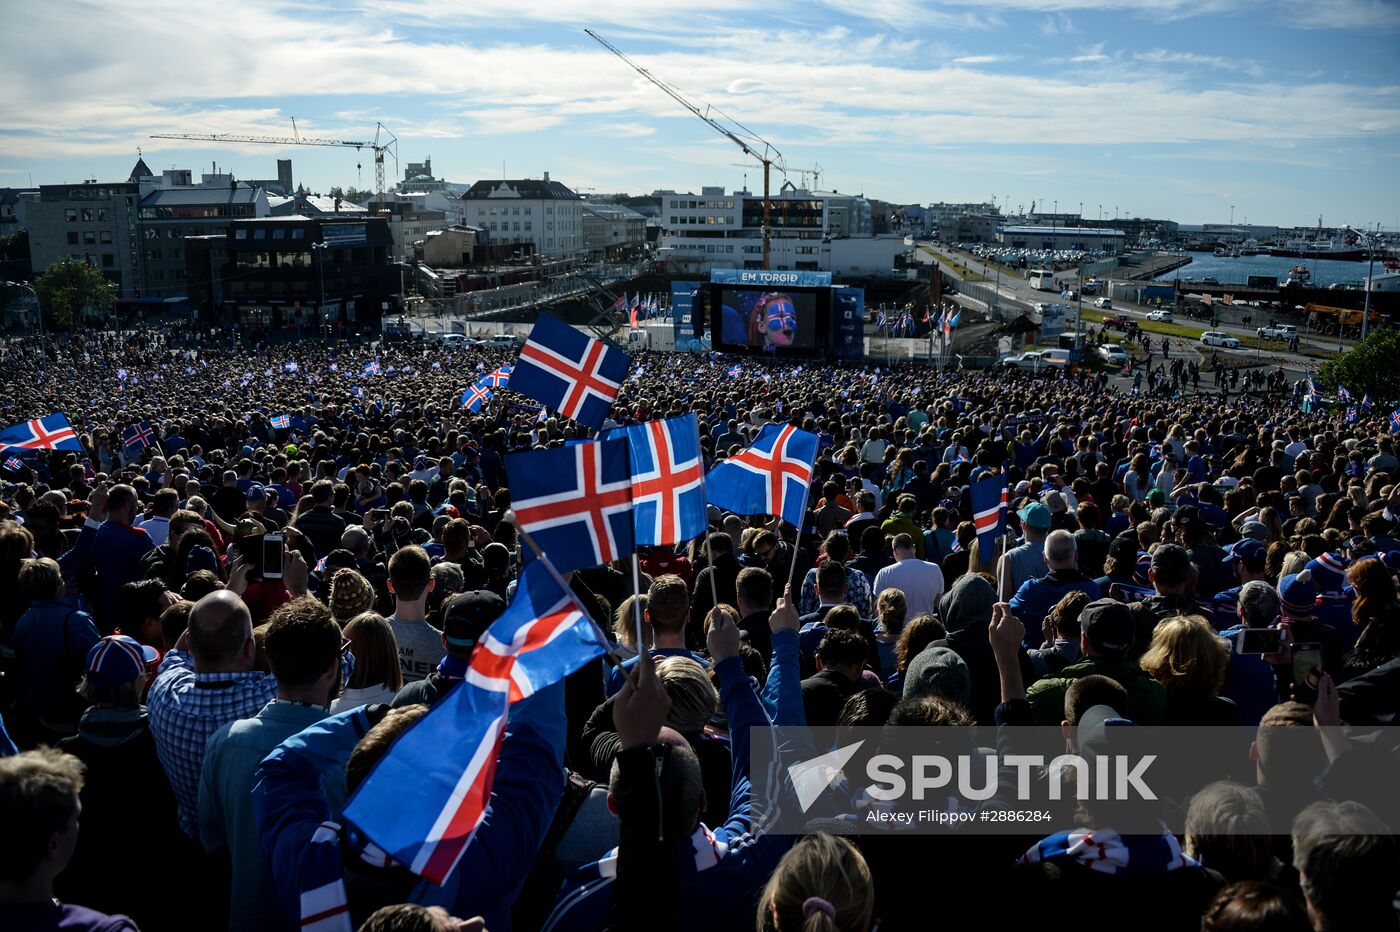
(637, 601)
(613, 656)
(709, 558)
(801, 520)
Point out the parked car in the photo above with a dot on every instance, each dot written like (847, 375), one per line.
(1219, 338)
(1103, 302)
(505, 339)
(1116, 323)
(1038, 359)
(1090, 287)
(1113, 353)
(1277, 332)
(1162, 316)
(1069, 294)
(455, 341)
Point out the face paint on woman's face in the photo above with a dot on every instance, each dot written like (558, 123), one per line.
(781, 321)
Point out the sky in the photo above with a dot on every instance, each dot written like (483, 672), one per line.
(1284, 110)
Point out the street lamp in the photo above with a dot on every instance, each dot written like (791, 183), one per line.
(321, 274)
(1370, 270)
(38, 311)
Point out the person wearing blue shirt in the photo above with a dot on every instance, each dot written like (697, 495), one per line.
(117, 553)
(666, 616)
(1033, 601)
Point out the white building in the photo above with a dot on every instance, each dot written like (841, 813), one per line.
(528, 210)
(1084, 239)
(611, 230)
(811, 230)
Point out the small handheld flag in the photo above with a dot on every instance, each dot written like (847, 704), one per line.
(138, 435)
(291, 367)
(281, 422)
(14, 463)
(668, 502)
(574, 374)
(372, 367)
(575, 501)
(989, 506)
(771, 477)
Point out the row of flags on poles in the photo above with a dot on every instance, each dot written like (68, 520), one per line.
(639, 308)
(945, 321)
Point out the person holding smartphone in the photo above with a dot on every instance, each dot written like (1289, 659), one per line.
(1297, 600)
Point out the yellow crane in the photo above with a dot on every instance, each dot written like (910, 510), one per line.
(753, 145)
(390, 145)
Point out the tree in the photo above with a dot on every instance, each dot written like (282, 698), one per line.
(68, 286)
(1368, 368)
(358, 197)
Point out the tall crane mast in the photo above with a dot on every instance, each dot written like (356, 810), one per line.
(753, 145)
(390, 145)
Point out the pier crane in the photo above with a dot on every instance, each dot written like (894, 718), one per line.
(390, 144)
(752, 145)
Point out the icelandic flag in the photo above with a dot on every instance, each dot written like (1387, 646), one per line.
(880, 320)
(575, 501)
(475, 397)
(668, 492)
(575, 375)
(497, 379)
(543, 637)
(770, 477)
(372, 367)
(1312, 389)
(1352, 415)
(543, 416)
(14, 463)
(280, 422)
(1343, 395)
(356, 391)
(121, 375)
(1366, 402)
(735, 371)
(333, 367)
(290, 367)
(42, 433)
(139, 435)
(1394, 421)
(989, 506)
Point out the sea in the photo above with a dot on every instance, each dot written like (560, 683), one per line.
(1230, 271)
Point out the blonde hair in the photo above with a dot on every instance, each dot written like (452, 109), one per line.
(1186, 653)
(1295, 561)
(693, 697)
(625, 622)
(821, 885)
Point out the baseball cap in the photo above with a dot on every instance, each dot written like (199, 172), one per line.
(1256, 530)
(1108, 624)
(256, 492)
(468, 616)
(1248, 550)
(1102, 731)
(1035, 515)
(117, 659)
(1156, 497)
(1171, 564)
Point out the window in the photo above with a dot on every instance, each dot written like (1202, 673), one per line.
(70, 215)
(527, 211)
(259, 234)
(103, 214)
(298, 234)
(240, 234)
(549, 209)
(72, 237)
(89, 238)
(527, 226)
(87, 214)
(517, 226)
(279, 234)
(515, 211)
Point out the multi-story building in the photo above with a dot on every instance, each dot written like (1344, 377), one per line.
(96, 222)
(407, 225)
(1086, 239)
(178, 208)
(611, 231)
(277, 272)
(937, 213)
(13, 206)
(810, 230)
(528, 210)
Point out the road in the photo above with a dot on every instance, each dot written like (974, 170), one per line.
(1014, 293)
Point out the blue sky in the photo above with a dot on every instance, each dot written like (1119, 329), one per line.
(1286, 109)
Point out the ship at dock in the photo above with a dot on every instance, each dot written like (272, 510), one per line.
(1320, 246)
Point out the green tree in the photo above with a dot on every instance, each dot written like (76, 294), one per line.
(1368, 368)
(68, 286)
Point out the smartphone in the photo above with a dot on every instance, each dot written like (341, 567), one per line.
(272, 550)
(1258, 640)
(1307, 669)
(379, 514)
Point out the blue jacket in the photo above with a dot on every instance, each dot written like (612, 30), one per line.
(782, 691)
(1033, 601)
(529, 782)
(49, 673)
(722, 871)
(117, 553)
(1249, 682)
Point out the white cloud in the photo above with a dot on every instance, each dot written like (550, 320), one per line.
(1195, 60)
(980, 59)
(1057, 24)
(1092, 53)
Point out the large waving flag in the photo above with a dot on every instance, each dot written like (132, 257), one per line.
(989, 506)
(668, 500)
(575, 501)
(446, 763)
(771, 477)
(474, 398)
(42, 433)
(575, 375)
(496, 379)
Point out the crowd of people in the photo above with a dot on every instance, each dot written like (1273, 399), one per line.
(211, 636)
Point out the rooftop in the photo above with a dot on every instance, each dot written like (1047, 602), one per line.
(220, 194)
(530, 189)
(1060, 231)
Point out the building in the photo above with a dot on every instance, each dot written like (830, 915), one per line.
(811, 230)
(937, 213)
(177, 208)
(302, 204)
(14, 205)
(611, 231)
(313, 272)
(451, 247)
(96, 222)
(970, 228)
(407, 225)
(544, 213)
(1084, 239)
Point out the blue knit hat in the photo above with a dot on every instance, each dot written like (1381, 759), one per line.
(1328, 571)
(1297, 592)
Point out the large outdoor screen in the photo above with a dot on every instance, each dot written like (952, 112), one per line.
(771, 320)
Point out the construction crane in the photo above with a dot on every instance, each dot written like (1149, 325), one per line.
(390, 145)
(753, 145)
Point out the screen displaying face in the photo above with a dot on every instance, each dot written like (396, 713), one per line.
(768, 320)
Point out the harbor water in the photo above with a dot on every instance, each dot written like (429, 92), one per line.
(1237, 271)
